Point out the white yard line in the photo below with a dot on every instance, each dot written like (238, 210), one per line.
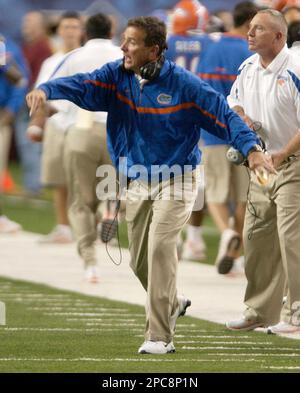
(86, 320)
(223, 342)
(140, 359)
(84, 314)
(16, 329)
(258, 354)
(258, 346)
(282, 367)
(211, 336)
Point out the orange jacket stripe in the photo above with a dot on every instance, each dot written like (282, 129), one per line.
(172, 109)
(101, 84)
(157, 111)
(218, 77)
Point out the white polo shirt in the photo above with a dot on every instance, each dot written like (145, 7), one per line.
(271, 96)
(61, 120)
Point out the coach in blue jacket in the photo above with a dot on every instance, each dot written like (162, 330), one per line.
(155, 110)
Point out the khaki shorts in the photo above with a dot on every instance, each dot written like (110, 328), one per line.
(52, 169)
(224, 181)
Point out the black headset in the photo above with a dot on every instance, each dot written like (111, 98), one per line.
(150, 70)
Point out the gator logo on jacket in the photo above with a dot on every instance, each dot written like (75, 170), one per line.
(164, 99)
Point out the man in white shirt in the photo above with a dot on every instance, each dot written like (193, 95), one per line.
(85, 145)
(70, 33)
(268, 91)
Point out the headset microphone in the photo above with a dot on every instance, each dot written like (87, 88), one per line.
(237, 158)
(234, 156)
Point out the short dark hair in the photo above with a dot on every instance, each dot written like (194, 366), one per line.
(155, 29)
(293, 33)
(70, 15)
(98, 26)
(244, 12)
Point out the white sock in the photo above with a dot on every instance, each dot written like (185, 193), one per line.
(64, 229)
(193, 233)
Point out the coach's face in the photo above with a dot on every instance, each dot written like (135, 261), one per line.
(262, 34)
(136, 53)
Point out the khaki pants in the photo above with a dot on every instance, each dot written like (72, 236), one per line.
(224, 181)
(5, 138)
(52, 174)
(85, 150)
(272, 246)
(155, 220)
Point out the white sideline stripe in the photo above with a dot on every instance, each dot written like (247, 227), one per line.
(84, 314)
(123, 322)
(63, 329)
(117, 310)
(39, 295)
(253, 354)
(87, 314)
(100, 320)
(258, 347)
(283, 368)
(200, 336)
(143, 359)
(29, 301)
(222, 342)
(86, 320)
(221, 331)
(210, 336)
(116, 324)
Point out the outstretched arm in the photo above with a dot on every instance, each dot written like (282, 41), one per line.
(90, 91)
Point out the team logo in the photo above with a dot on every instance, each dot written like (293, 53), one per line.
(281, 80)
(164, 99)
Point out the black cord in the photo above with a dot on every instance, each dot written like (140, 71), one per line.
(253, 212)
(118, 236)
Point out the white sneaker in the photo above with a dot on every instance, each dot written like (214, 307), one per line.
(8, 226)
(61, 234)
(194, 251)
(228, 251)
(180, 312)
(91, 274)
(156, 347)
(243, 324)
(283, 327)
(238, 268)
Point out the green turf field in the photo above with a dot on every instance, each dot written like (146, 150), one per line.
(50, 330)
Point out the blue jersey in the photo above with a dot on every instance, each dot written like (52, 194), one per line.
(187, 51)
(12, 96)
(220, 66)
(158, 124)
